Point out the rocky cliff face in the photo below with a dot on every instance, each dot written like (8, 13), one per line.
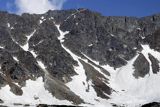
(79, 57)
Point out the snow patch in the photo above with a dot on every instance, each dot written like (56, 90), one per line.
(112, 35)
(143, 37)
(90, 45)
(138, 28)
(42, 20)
(12, 27)
(15, 58)
(8, 25)
(2, 47)
(42, 17)
(77, 24)
(135, 48)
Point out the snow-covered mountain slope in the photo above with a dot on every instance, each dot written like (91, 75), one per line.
(133, 91)
(78, 57)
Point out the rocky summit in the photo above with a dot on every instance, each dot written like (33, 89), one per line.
(79, 58)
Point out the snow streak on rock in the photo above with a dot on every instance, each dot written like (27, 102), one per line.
(26, 46)
(15, 58)
(74, 14)
(96, 63)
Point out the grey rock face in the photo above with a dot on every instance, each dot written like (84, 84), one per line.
(96, 77)
(141, 66)
(111, 40)
(153, 104)
(154, 40)
(1, 101)
(155, 64)
(60, 91)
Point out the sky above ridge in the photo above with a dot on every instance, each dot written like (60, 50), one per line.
(137, 8)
